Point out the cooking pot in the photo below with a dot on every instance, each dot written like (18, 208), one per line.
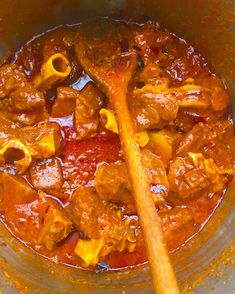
(205, 263)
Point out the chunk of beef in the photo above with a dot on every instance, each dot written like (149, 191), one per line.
(89, 213)
(112, 181)
(151, 74)
(26, 99)
(157, 175)
(213, 141)
(175, 225)
(15, 190)
(27, 118)
(47, 175)
(11, 78)
(151, 105)
(150, 40)
(175, 219)
(194, 140)
(88, 104)
(218, 95)
(20, 102)
(102, 224)
(155, 102)
(56, 227)
(194, 173)
(65, 102)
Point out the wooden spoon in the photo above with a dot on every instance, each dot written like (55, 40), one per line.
(98, 51)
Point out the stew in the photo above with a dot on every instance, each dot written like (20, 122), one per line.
(64, 186)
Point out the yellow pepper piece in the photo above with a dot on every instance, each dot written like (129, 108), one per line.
(109, 122)
(89, 250)
(54, 70)
(21, 164)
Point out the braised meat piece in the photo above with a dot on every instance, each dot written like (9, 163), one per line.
(65, 102)
(112, 182)
(88, 104)
(11, 78)
(19, 100)
(26, 99)
(47, 175)
(15, 190)
(152, 105)
(194, 173)
(102, 224)
(56, 227)
(213, 141)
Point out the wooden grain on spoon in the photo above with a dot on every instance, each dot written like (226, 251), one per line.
(99, 54)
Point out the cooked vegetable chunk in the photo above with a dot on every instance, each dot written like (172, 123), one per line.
(46, 174)
(88, 104)
(89, 251)
(142, 138)
(56, 228)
